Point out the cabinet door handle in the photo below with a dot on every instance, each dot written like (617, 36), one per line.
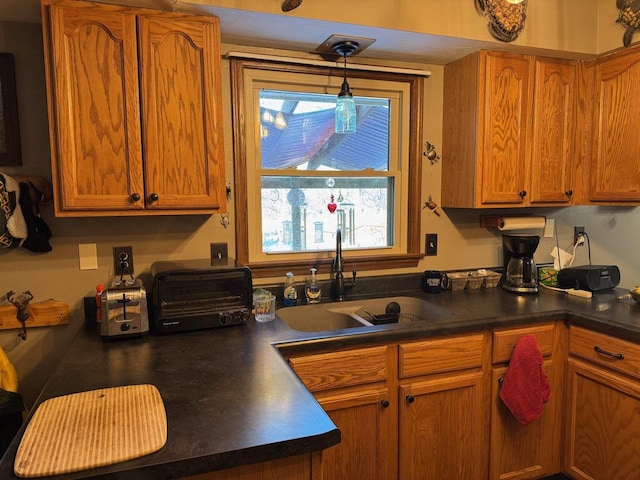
(568, 193)
(135, 197)
(384, 403)
(523, 194)
(619, 356)
(153, 197)
(411, 398)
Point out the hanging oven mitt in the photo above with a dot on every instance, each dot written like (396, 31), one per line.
(13, 229)
(525, 387)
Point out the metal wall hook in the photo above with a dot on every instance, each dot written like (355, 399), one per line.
(431, 153)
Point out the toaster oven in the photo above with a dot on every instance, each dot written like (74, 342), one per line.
(199, 294)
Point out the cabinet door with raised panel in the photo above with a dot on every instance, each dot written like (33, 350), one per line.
(525, 452)
(353, 387)
(442, 435)
(93, 82)
(615, 171)
(504, 118)
(367, 447)
(603, 424)
(182, 112)
(553, 131)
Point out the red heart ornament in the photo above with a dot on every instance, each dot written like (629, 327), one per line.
(331, 205)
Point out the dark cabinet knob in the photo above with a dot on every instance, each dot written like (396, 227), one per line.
(384, 403)
(568, 193)
(135, 197)
(153, 197)
(523, 194)
(411, 398)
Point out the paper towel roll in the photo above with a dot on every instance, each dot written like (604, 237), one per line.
(521, 223)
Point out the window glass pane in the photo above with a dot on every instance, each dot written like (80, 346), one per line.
(297, 131)
(302, 213)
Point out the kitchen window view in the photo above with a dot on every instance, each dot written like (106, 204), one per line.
(347, 183)
(305, 181)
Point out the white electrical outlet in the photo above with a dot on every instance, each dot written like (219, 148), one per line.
(88, 253)
(549, 227)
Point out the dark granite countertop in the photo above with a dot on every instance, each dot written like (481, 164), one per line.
(231, 398)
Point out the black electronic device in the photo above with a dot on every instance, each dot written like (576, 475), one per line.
(590, 277)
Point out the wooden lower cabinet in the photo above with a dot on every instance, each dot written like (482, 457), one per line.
(366, 449)
(442, 429)
(353, 387)
(443, 426)
(532, 451)
(602, 408)
(290, 468)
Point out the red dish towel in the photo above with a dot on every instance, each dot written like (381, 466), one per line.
(525, 387)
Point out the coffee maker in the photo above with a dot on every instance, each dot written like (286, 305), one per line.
(520, 272)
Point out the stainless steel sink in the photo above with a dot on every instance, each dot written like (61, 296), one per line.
(359, 313)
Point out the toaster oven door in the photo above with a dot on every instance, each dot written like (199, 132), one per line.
(190, 301)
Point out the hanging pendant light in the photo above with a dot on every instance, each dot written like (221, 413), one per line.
(345, 115)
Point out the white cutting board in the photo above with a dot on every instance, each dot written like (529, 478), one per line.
(92, 429)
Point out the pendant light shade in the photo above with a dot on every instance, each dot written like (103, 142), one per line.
(345, 114)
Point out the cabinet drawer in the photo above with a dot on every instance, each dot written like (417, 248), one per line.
(440, 355)
(602, 349)
(505, 341)
(333, 370)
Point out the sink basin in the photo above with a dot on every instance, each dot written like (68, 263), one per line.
(359, 313)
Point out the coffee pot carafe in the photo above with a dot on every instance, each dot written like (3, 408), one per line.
(520, 272)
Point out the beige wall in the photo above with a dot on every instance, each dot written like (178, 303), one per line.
(463, 244)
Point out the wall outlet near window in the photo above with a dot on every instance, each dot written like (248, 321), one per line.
(431, 248)
(219, 251)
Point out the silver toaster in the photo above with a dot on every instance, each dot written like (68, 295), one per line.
(124, 309)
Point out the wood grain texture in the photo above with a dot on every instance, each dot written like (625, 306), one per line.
(442, 437)
(505, 154)
(461, 141)
(504, 341)
(182, 111)
(554, 121)
(582, 343)
(615, 171)
(517, 452)
(91, 429)
(95, 67)
(603, 425)
(42, 314)
(440, 355)
(509, 123)
(290, 468)
(357, 388)
(333, 370)
(98, 57)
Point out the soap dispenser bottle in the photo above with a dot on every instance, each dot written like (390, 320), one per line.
(312, 289)
(290, 292)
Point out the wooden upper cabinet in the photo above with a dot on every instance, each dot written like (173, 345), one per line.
(95, 72)
(181, 107)
(135, 110)
(552, 146)
(507, 131)
(504, 116)
(615, 169)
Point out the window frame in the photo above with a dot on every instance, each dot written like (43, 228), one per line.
(259, 269)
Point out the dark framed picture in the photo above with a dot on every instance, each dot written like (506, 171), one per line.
(9, 129)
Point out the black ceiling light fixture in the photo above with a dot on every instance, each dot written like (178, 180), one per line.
(345, 106)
